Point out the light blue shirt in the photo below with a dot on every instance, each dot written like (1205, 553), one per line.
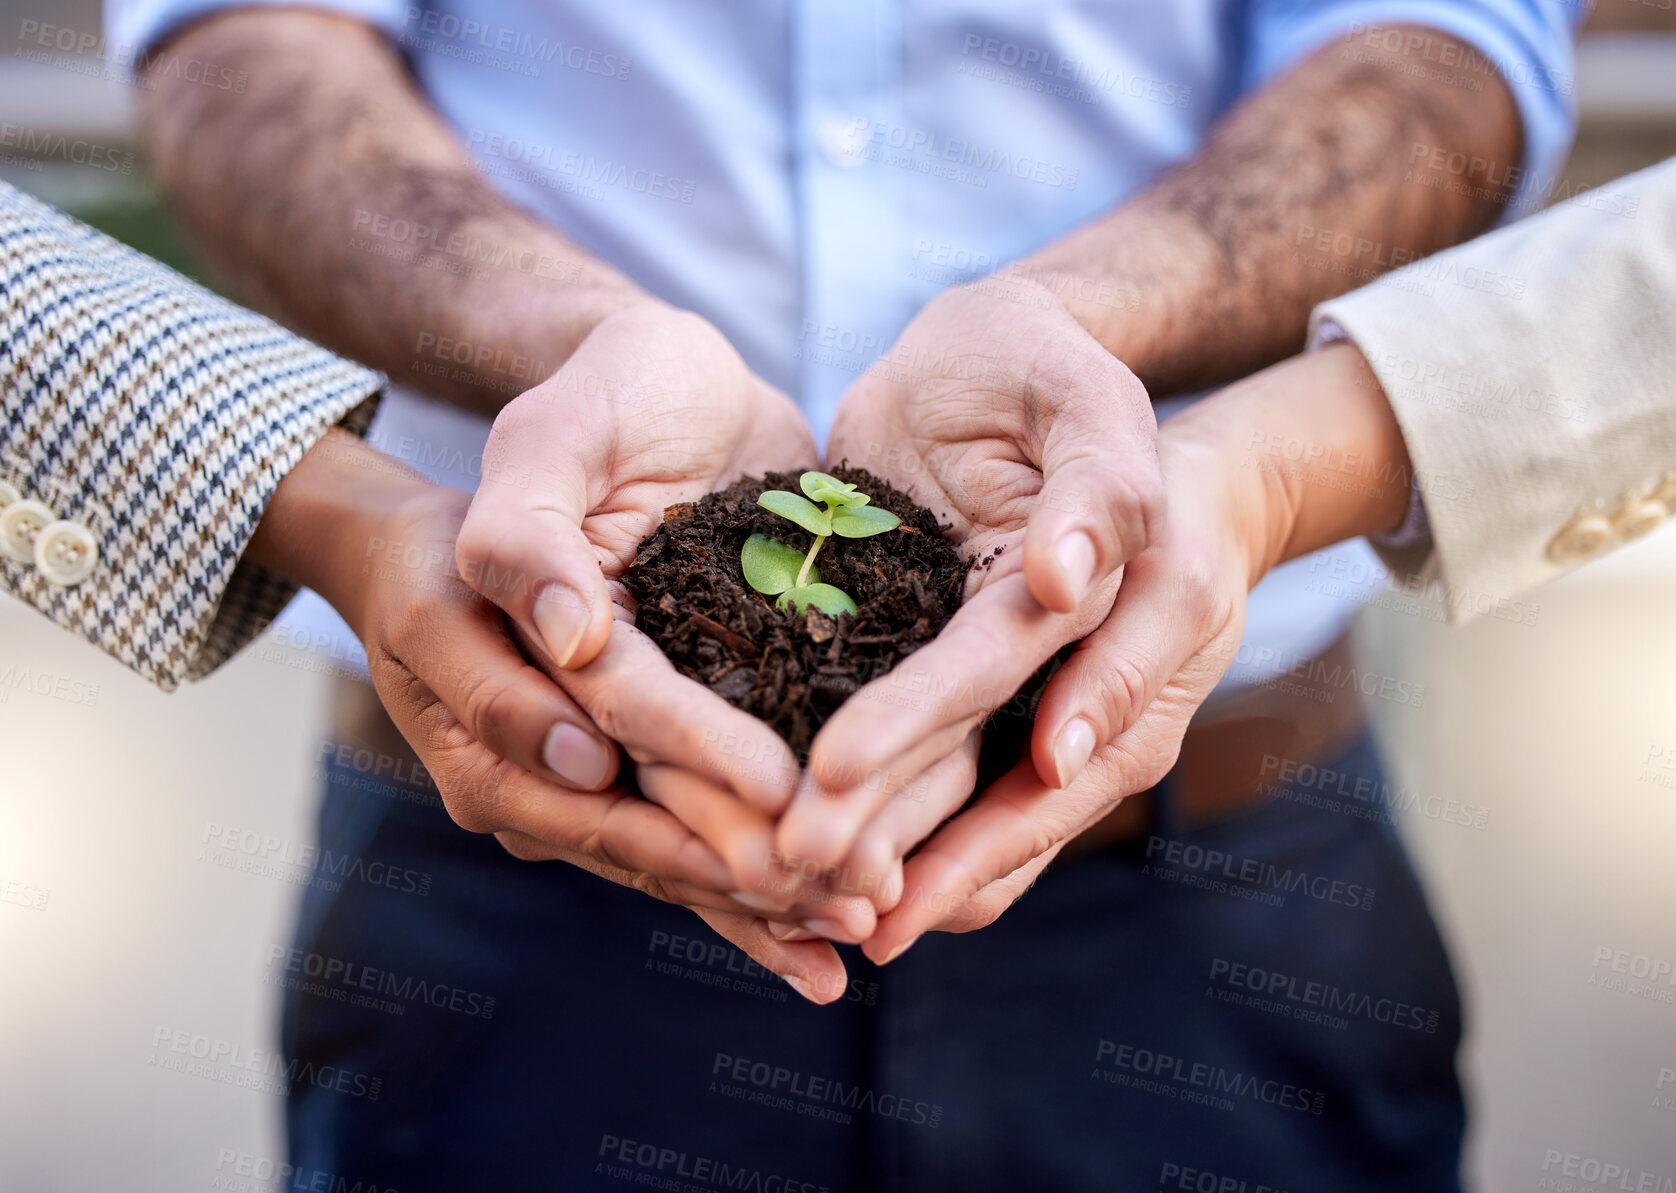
(808, 174)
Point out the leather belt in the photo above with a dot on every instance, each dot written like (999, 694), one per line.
(1229, 753)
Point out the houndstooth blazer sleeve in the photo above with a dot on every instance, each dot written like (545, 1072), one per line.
(145, 422)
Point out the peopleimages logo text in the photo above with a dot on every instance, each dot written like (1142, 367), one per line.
(1173, 1072)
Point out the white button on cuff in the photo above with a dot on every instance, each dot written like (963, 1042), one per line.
(8, 494)
(1580, 537)
(66, 553)
(20, 522)
(843, 142)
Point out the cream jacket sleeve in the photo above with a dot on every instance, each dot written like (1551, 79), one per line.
(1533, 373)
(144, 424)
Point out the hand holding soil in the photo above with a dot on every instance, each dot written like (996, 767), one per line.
(1012, 425)
(1031, 449)
(654, 410)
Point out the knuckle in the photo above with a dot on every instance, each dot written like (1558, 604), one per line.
(475, 545)
(657, 888)
(469, 812)
(520, 846)
(1135, 502)
(1201, 592)
(469, 791)
(417, 625)
(598, 845)
(488, 702)
(1119, 687)
(1199, 578)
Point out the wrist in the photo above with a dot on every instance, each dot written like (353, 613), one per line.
(519, 316)
(331, 513)
(1121, 277)
(1311, 447)
(1258, 503)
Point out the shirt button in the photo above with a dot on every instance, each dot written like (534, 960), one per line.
(66, 553)
(8, 494)
(843, 141)
(1580, 538)
(20, 522)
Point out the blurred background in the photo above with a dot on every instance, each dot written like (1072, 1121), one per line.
(125, 919)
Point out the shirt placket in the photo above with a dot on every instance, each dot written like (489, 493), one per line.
(847, 89)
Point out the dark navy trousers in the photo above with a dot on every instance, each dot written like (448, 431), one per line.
(1261, 1004)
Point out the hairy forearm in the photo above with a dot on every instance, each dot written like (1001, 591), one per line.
(1219, 262)
(334, 198)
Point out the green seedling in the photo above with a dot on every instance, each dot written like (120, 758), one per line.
(775, 569)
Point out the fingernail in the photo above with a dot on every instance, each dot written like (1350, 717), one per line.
(831, 929)
(899, 950)
(759, 902)
(802, 987)
(790, 932)
(1075, 553)
(577, 757)
(561, 618)
(1072, 749)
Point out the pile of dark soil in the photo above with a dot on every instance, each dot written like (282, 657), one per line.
(792, 670)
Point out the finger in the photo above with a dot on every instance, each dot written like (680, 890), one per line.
(1014, 820)
(810, 967)
(1102, 496)
(467, 660)
(522, 545)
(1164, 615)
(527, 848)
(932, 699)
(486, 794)
(1110, 677)
(740, 834)
(743, 837)
(822, 826)
(636, 698)
(897, 933)
(906, 820)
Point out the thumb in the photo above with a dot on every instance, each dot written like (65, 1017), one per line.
(522, 545)
(1102, 495)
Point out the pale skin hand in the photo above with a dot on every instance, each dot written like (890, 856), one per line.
(1014, 426)
(654, 408)
(379, 543)
(1238, 507)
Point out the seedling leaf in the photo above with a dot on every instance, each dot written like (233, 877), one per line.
(805, 513)
(811, 481)
(859, 522)
(770, 565)
(834, 497)
(829, 600)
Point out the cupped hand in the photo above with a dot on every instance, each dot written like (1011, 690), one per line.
(1130, 689)
(1002, 415)
(482, 720)
(654, 408)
